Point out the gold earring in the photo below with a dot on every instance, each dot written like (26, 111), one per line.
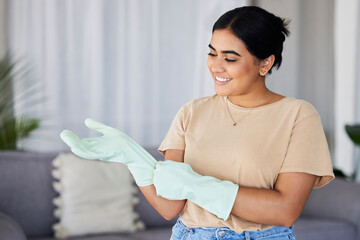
(262, 73)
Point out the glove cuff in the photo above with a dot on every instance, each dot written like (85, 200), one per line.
(143, 175)
(228, 199)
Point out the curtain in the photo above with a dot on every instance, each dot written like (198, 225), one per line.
(357, 89)
(3, 31)
(128, 63)
(347, 61)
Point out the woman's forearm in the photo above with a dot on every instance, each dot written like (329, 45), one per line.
(279, 207)
(263, 206)
(168, 209)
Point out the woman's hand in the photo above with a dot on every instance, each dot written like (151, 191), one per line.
(171, 180)
(113, 146)
(168, 209)
(177, 181)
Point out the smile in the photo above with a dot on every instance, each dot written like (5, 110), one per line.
(222, 80)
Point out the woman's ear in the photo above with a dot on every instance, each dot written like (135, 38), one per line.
(266, 65)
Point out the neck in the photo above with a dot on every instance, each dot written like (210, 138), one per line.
(251, 100)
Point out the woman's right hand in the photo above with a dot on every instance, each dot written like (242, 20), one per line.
(113, 146)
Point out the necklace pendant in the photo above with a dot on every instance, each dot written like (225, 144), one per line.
(235, 124)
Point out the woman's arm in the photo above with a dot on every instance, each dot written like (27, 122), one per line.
(281, 206)
(168, 209)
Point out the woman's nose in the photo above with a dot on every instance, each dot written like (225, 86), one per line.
(218, 65)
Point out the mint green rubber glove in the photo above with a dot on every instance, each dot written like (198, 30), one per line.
(177, 181)
(113, 146)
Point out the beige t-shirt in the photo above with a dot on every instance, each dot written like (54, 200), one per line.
(285, 136)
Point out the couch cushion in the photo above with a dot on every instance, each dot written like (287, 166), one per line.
(26, 190)
(95, 197)
(338, 200)
(150, 216)
(155, 153)
(323, 229)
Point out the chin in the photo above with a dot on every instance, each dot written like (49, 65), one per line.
(221, 93)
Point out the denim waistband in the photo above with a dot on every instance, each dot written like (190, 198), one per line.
(227, 233)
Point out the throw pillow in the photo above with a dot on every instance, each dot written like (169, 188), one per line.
(95, 197)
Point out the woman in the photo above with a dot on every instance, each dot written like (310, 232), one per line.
(240, 164)
(273, 147)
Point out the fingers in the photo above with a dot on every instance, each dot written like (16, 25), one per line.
(77, 146)
(83, 153)
(70, 138)
(97, 126)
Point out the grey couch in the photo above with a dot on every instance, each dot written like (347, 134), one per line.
(26, 209)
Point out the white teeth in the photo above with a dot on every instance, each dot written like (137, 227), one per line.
(222, 79)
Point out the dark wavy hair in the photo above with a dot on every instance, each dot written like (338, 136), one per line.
(262, 32)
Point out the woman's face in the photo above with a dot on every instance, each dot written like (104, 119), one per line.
(234, 70)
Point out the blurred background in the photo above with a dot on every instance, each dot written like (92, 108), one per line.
(133, 63)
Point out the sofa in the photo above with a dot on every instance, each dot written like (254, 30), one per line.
(26, 208)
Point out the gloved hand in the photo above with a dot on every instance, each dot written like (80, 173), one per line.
(113, 146)
(177, 181)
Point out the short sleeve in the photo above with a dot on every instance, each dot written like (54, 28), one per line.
(308, 151)
(175, 137)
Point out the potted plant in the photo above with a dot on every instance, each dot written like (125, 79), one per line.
(353, 132)
(13, 128)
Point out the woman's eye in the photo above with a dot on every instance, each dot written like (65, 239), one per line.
(230, 60)
(226, 59)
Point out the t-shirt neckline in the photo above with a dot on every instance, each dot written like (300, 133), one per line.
(254, 108)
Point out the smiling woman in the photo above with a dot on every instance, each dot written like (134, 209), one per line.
(246, 44)
(244, 161)
(235, 75)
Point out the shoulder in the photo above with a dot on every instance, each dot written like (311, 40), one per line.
(195, 108)
(301, 108)
(201, 103)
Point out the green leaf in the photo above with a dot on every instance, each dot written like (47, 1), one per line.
(14, 128)
(24, 126)
(339, 173)
(8, 135)
(354, 133)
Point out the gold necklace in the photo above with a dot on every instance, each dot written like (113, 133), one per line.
(235, 123)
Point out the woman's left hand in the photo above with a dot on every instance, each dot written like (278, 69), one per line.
(171, 179)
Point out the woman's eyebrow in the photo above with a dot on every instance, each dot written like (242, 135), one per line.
(226, 51)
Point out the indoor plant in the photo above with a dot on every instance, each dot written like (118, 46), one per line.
(354, 133)
(14, 127)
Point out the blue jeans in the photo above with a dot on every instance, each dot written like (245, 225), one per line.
(182, 232)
